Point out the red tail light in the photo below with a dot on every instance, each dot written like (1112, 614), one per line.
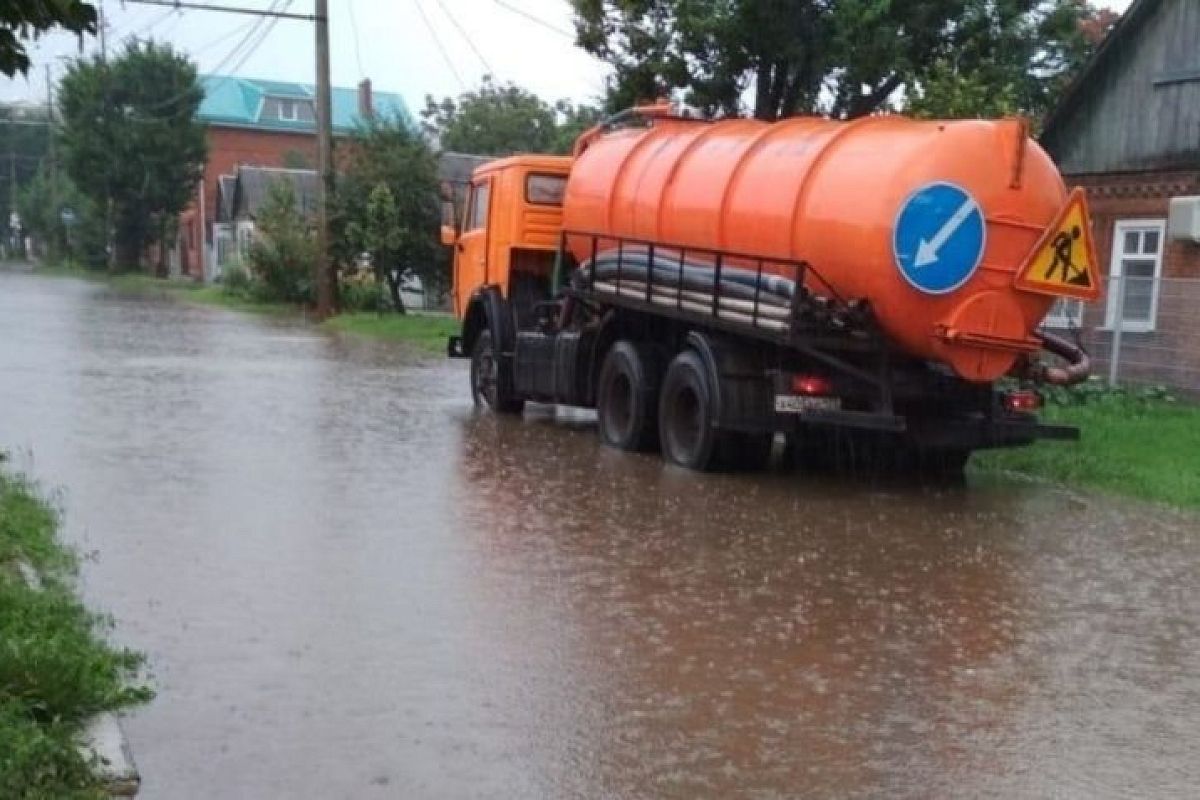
(812, 385)
(1022, 401)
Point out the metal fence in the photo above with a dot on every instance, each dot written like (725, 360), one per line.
(1143, 331)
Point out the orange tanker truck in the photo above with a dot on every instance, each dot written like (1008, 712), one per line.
(707, 285)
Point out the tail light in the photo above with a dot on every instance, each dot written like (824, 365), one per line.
(1022, 401)
(812, 385)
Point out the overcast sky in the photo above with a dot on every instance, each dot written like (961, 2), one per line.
(413, 47)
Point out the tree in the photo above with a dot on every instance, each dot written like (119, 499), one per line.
(387, 205)
(41, 203)
(1014, 57)
(502, 119)
(24, 20)
(131, 141)
(845, 58)
(282, 255)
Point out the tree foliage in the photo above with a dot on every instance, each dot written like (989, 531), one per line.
(502, 119)
(28, 20)
(41, 203)
(387, 206)
(845, 58)
(283, 253)
(131, 140)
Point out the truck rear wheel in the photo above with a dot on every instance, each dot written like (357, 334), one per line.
(685, 409)
(489, 384)
(627, 396)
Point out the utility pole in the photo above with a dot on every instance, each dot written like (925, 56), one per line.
(52, 168)
(325, 280)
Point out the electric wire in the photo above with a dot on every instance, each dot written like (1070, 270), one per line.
(536, 20)
(357, 45)
(466, 37)
(441, 48)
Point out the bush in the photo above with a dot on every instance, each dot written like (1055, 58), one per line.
(237, 281)
(56, 669)
(282, 257)
(362, 296)
(1096, 390)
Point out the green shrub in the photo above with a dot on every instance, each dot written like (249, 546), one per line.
(362, 296)
(237, 281)
(1096, 390)
(56, 669)
(282, 256)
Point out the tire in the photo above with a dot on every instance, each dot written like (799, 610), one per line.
(627, 396)
(490, 383)
(685, 414)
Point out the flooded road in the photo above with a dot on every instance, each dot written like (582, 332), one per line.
(350, 585)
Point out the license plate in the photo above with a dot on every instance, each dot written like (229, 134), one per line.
(802, 404)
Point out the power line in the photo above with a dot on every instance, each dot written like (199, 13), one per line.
(357, 47)
(536, 20)
(229, 9)
(463, 33)
(441, 48)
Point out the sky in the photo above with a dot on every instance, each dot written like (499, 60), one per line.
(413, 47)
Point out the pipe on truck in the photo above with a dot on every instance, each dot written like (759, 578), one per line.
(833, 194)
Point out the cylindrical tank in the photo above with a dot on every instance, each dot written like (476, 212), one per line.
(928, 221)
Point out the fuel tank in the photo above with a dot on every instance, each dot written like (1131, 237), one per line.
(927, 221)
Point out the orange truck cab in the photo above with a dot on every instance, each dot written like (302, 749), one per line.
(872, 288)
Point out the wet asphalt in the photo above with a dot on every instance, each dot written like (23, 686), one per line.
(350, 584)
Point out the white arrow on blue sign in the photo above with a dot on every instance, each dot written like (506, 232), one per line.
(938, 238)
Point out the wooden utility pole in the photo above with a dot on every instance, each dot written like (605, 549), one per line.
(325, 280)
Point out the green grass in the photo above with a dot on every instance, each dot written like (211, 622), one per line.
(1139, 448)
(56, 669)
(427, 331)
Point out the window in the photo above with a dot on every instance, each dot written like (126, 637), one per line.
(288, 110)
(545, 190)
(477, 218)
(1134, 274)
(1065, 313)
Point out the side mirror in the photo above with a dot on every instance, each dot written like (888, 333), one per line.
(449, 235)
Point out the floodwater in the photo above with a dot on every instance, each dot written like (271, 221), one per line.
(351, 585)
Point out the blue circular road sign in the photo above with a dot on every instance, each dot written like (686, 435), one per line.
(938, 237)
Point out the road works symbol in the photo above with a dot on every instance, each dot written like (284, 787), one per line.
(1064, 261)
(938, 238)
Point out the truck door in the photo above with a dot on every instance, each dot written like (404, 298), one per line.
(470, 258)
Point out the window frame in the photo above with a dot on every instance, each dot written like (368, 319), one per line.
(1115, 271)
(530, 176)
(294, 105)
(1072, 321)
(485, 186)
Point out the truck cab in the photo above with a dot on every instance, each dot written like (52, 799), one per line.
(509, 233)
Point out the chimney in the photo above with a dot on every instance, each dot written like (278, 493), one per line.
(366, 107)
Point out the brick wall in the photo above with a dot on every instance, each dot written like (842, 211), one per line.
(1170, 354)
(227, 148)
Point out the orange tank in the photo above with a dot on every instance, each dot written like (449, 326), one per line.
(860, 202)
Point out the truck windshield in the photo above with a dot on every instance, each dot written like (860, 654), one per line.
(545, 190)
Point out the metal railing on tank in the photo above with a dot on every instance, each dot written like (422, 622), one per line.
(761, 293)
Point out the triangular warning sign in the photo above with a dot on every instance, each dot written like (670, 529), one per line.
(1064, 261)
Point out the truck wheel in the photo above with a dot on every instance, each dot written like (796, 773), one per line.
(627, 396)
(488, 382)
(685, 414)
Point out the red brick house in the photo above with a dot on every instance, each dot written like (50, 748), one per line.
(1128, 131)
(262, 123)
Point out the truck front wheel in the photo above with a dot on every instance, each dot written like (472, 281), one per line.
(627, 396)
(489, 384)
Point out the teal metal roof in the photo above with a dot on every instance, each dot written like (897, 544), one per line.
(239, 102)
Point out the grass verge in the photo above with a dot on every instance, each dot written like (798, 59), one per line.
(1139, 448)
(427, 331)
(56, 669)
